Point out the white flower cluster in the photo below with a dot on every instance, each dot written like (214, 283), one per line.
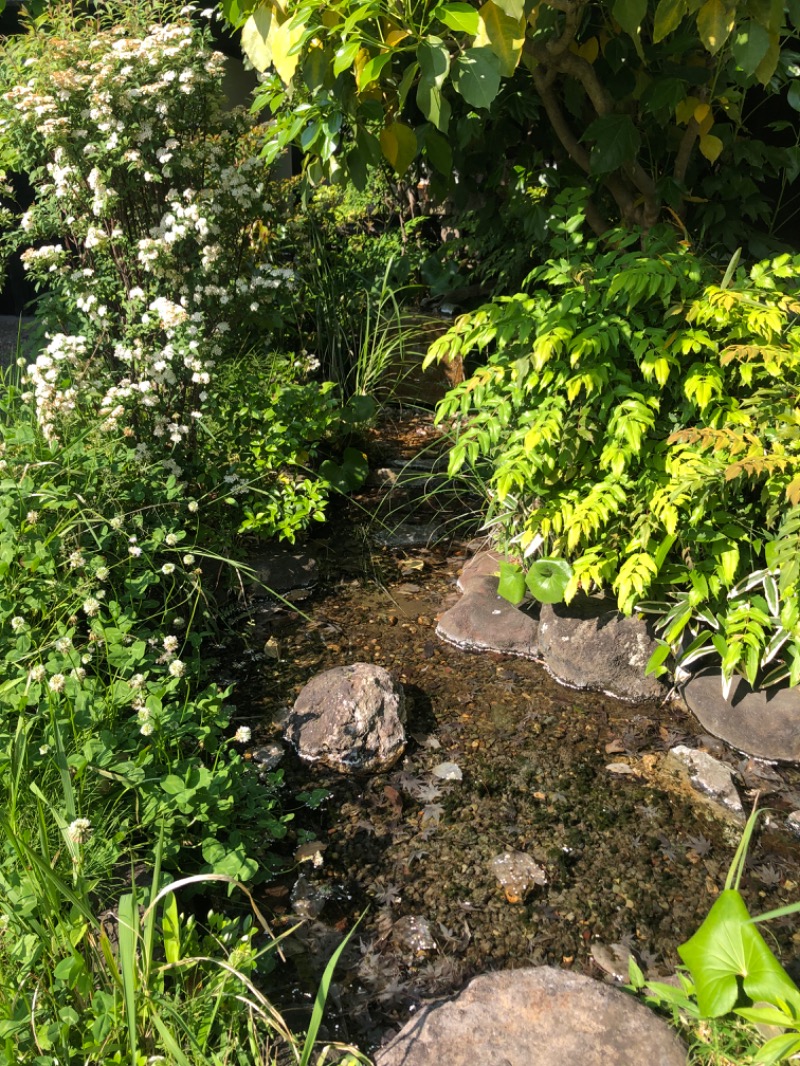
(161, 279)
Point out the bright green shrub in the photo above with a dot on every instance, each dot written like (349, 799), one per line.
(639, 414)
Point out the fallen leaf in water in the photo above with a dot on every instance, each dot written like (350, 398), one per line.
(620, 768)
(394, 798)
(311, 852)
(615, 747)
(431, 814)
(411, 564)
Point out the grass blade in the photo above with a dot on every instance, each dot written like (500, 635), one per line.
(128, 936)
(322, 996)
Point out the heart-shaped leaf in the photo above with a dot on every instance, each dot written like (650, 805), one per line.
(547, 579)
(728, 948)
(512, 583)
(347, 476)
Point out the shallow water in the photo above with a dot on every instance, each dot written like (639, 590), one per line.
(624, 861)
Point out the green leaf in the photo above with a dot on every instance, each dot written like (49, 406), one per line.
(547, 579)
(439, 152)
(345, 56)
(434, 64)
(630, 14)
(433, 105)
(663, 94)
(616, 142)
(511, 585)
(350, 475)
(231, 9)
(503, 34)
(793, 7)
(359, 409)
(727, 948)
(476, 76)
(409, 74)
(655, 664)
(514, 8)
(255, 38)
(171, 929)
(668, 16)
(128, 933)
(371, 70)
(173, 784)
(234, 862)
(750, 45)
(463, 18)
(434, 61)
(399, 146)
(714, 24)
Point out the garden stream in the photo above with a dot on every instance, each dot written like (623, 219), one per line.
(628, 866)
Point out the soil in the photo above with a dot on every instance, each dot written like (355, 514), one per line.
(624, 861)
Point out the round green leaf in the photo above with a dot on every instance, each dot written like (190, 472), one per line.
(547, 579)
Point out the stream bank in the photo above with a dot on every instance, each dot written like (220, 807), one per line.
(626, 862)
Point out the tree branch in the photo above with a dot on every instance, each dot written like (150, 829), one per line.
(690, 135)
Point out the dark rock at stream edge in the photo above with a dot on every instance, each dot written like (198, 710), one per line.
(349, 718)
(481, 621)
(534, 1017)
(283, 570)
(589, 644)
(586, 644)
(762, 722)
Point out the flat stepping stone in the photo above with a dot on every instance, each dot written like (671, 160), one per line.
(535, 1017)
(764, 722)
(588, 644)
(484, 622)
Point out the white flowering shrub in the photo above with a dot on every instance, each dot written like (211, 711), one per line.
(140, 237)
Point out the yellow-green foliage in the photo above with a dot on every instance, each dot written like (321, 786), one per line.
(639, 414)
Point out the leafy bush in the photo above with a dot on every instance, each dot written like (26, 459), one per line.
(146, 296)
(102, 614)
(639, 413)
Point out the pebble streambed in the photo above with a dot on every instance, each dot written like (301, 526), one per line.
(501, 759)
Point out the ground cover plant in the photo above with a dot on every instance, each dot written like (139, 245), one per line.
(127, 465)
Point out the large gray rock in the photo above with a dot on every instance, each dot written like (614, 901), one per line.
(764, 722)
(481, 621)
(535, 1017)
(349, 718)
(589, 644)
